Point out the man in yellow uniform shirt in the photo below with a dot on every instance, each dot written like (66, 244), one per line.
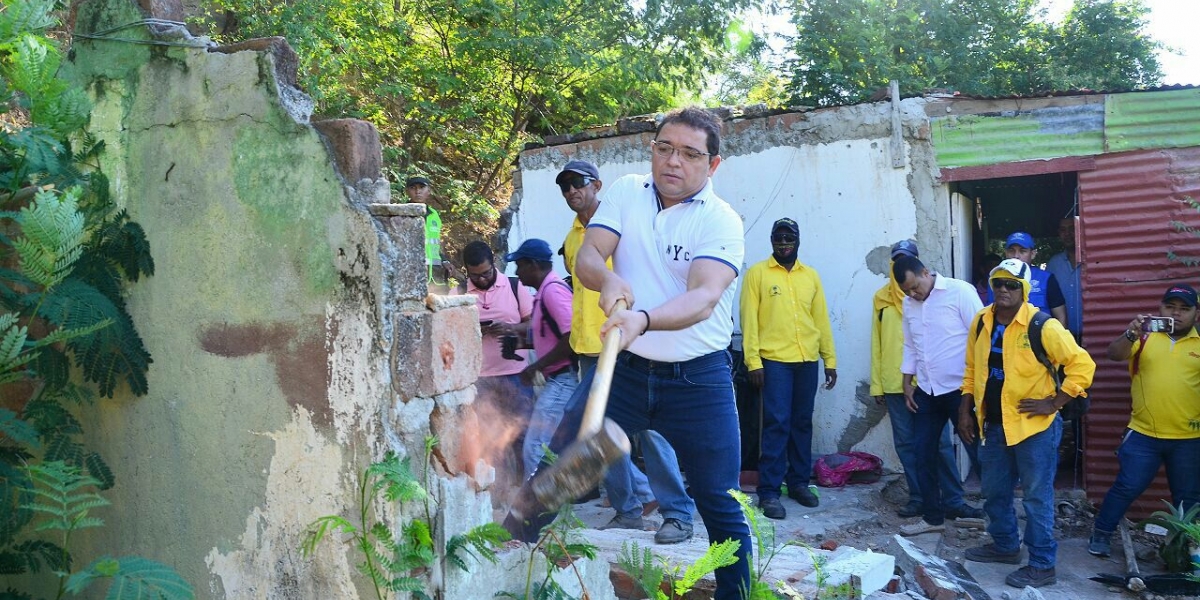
(1019, 400)
(785, 329)
(1165, 425)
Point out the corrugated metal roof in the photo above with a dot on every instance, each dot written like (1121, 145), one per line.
(1126, 205)
(1060, 93)
(1140, 121)
(1014, 135)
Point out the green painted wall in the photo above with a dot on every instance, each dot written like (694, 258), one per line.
(1122, 122)
(1168, 119)
(241, 440)
(993, 138)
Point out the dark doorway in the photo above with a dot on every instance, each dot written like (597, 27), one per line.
(1034, 204)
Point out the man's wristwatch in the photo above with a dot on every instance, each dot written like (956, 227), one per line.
(1131, 336)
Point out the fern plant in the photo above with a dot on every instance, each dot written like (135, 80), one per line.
(558, 545)
(392, 562)
(649, 570)
(63, 501)
(67, 255)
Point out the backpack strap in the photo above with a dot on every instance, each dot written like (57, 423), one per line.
(513, 282)
(1039, 350)
(548, 318)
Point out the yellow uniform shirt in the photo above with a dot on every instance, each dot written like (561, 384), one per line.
(586, 316)
(784, 316)
(1166, 387)
(1024, 376)
(887, 350)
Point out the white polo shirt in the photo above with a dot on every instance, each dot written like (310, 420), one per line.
(656, 251)
(935, 334)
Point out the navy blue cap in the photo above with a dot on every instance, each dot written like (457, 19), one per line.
(579, 167)
(1183, 292)
(786, 223)
(1019, 238)
(532, 248)
(417, 180)
(905, 248)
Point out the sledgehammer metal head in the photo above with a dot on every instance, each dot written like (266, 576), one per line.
(581, 466)
(600, 443)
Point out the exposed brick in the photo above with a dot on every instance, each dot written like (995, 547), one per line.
(457, 430)
(355, 147)
(436, 352)
(936, 588)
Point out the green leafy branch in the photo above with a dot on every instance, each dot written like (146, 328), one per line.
(63, 502)
(395, 562)
(1189, 230)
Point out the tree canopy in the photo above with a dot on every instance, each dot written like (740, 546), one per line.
(847, 49)
(456, 87)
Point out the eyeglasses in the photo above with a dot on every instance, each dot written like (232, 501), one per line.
(784, 238)
(574, 182)
(664, 150)
(484, 276)
(1008, 284)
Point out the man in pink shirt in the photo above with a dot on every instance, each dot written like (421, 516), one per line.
(550, 332)
(504, 312)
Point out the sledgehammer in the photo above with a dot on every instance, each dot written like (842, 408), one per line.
(579, 467)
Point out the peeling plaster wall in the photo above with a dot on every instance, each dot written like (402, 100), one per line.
(831, 170)
(293, 342)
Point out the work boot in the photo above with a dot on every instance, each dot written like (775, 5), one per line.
(964, 511)
(909, 511)
(673, 531)
(991, 554)
(1100, 544)
(1031, 576)
(772, 508)
(804, 496)
(622, 522)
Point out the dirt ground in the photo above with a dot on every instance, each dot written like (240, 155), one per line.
(864, 517)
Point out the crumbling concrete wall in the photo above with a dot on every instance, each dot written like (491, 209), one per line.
(292, 338)
(832, 171)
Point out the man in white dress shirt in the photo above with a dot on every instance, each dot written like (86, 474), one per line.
(937, 318)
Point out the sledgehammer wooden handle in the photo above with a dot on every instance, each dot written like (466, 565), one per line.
(593, 414)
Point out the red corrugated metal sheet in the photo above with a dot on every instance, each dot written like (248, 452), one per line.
(1126, 205)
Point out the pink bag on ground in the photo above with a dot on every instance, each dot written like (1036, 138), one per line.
(836, 470)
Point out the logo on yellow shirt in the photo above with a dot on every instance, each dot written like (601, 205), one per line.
(775, 291)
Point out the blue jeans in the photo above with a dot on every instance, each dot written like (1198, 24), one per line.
(547, 413)
(1033, 463)
(1139, 457)
(789, 390)
(933, 416)
(628, 488)
(692, 405)
(903, 436)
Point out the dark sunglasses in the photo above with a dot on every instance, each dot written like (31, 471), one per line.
(574, 182)
(1008, 284)
(783, 238)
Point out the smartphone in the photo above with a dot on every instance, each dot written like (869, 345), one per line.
(1158, 324)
